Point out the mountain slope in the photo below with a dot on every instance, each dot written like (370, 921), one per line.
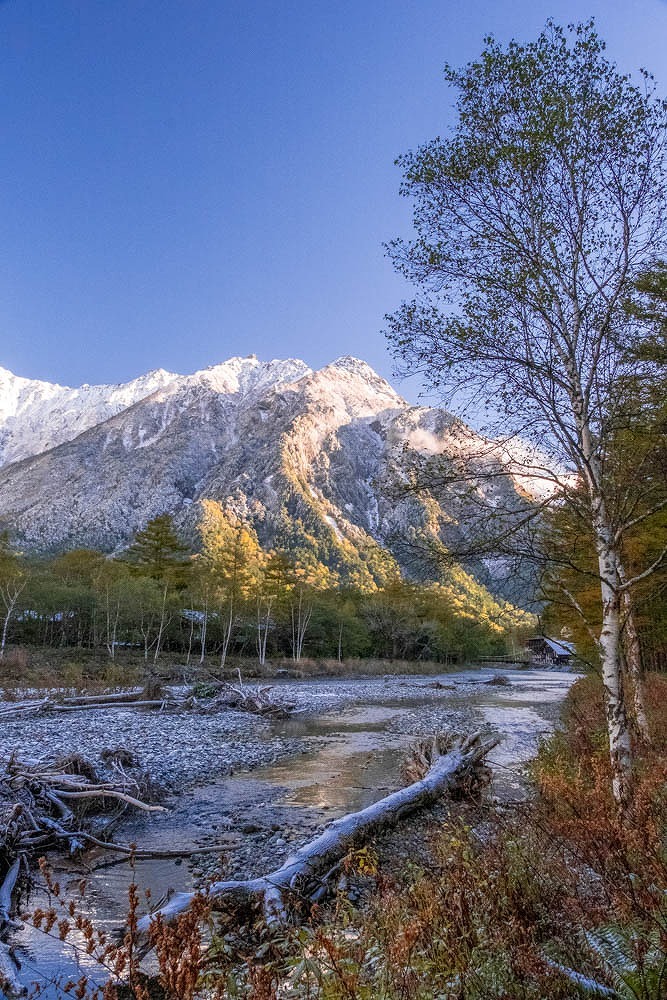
(315, 459)
(35, 416)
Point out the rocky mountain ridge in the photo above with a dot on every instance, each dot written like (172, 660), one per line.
(319, 461)
(36, 415)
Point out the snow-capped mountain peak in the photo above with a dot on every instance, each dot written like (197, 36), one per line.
(248, 375)
(311, 458)
(36, 416)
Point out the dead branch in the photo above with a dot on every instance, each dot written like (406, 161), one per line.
(38, 810)
(250, 698)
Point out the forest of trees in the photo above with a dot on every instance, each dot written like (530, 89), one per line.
(231, 598)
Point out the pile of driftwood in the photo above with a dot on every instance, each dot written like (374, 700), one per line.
(250, 698)
(46, 804)
(244, 697)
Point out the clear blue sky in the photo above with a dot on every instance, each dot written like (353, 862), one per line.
(184, 180)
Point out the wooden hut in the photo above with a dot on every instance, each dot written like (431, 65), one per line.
(555, 652)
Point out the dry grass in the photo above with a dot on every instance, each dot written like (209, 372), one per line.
(94, 671)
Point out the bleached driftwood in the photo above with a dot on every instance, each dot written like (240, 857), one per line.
(9, 982)
(43, 794)
(13, 709)
(244, 697)
(44, 706)
(162, 703)
(250, 698)
(305, 875)
(38, 801)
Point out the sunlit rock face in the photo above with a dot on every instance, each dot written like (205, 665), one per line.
(317, 460)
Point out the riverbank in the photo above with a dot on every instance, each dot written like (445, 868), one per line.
(260, 788)
(40, 668)
(559, 896)
(180, 749)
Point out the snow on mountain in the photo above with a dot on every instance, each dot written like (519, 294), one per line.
(36, 416)
(247, 377)
(312, 458)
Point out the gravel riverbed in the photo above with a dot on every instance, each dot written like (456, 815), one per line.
(179, 749)
(260, 788)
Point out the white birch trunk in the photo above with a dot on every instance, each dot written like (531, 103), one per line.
(228, 633)
(609, 641)
(204, 627)
(190, 637)
(300, 620)
(633, 661)
(10, 595)
(163, 622)
(263, 625)
(609, 644)
(112, 629)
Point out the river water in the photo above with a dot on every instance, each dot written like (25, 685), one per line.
(351, 753)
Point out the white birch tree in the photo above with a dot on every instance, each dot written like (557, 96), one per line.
(13, 580)
(533, 218)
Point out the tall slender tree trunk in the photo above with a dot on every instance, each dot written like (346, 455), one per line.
(263, 625)
(190, 637)
(228, 633)
(112, 625)
(609, 642)
(300, 620)
(5, 628)
(163, 622)
(620, 743)
(10, 596)
(145, 632)
(633, 661)
(204, 627)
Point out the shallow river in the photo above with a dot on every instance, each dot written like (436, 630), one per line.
(350, 756)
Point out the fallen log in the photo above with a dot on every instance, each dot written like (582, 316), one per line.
(9, 966)
(122, 697)
(304, 875)
(162, 703)
(46, 706)
(10, 710)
